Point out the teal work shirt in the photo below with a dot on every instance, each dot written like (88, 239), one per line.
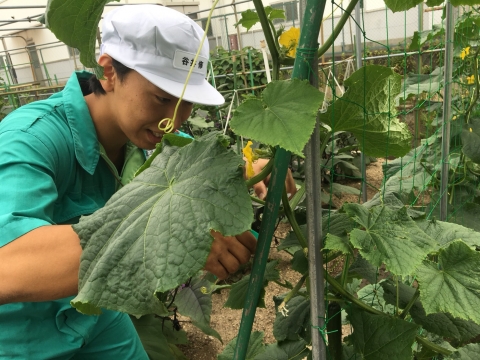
(52, 171)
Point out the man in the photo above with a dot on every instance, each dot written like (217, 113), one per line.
(65, 157)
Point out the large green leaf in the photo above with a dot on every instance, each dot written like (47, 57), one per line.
(465, 2)
(195, 301)
(286, 350)
(372, 295)
(421, 37)
(238, 292)
(255, 347)
(444, 233)
(284, 116)
(390, 237)
(367, 109)
(248, 19)
(442, 324)
(416, 84)
(401, 5)
(75, 23)
(452, 285)
(300, 262)
(363, 269)
(380, 336)
(154, 233)
(468, 352)
(293, 321)
(337, 243)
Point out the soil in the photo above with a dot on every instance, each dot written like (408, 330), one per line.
(227, 321)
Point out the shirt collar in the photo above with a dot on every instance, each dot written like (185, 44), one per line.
(85, 140)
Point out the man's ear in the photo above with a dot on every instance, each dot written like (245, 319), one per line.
(109, 75)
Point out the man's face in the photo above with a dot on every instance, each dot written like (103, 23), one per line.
(139, 106)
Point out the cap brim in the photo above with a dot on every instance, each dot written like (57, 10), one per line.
(204, 93)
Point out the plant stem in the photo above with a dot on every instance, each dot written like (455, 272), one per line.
(262, 174)
(295, 289)
(339, 289)
(257, 200)
(282, 285)
(432, 346)
(410, 304)
(334, 330)
(291, 218)
(325, 143)
(371, 310)
(343, 279)
(338, 28)
(475, 71)
(269, 36)
(297, 197)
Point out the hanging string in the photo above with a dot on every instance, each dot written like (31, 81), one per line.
(169, 126)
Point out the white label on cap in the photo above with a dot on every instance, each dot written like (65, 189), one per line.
(184, 60)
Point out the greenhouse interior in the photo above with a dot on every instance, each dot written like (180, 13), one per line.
(368, 109)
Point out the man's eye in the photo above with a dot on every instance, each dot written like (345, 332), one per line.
(163, 100)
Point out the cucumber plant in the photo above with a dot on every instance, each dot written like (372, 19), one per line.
(424, 307)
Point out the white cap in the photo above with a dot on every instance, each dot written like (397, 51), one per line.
(160, 44)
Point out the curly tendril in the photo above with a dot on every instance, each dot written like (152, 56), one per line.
(168, 128)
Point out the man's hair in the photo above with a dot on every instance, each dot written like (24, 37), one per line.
(121, 71)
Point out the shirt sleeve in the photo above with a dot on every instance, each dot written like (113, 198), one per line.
(27, 184)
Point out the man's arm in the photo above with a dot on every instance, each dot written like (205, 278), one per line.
(43, 264)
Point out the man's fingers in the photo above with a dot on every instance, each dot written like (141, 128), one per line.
(248, 240)
(260, 190)
(229, 252)
(290, 184)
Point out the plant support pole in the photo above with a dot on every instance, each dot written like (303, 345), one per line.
(358, 54)
(302, 70)
(447, 99)
(307, 68)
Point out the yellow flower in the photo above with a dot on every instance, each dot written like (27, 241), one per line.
(250, 158)
(471, 79)
(471, 130)
(203, 290)
(454, 118)
(289, 39)
(465, 52)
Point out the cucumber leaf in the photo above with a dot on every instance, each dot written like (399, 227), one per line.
(380, 336)
(367, 109)
(452, 285)
(284, 116)
(195, 301)
(390, 237)
(154, 233)
(75, 22)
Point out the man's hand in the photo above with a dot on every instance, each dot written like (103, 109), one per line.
(229, 252)
(260, 188)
